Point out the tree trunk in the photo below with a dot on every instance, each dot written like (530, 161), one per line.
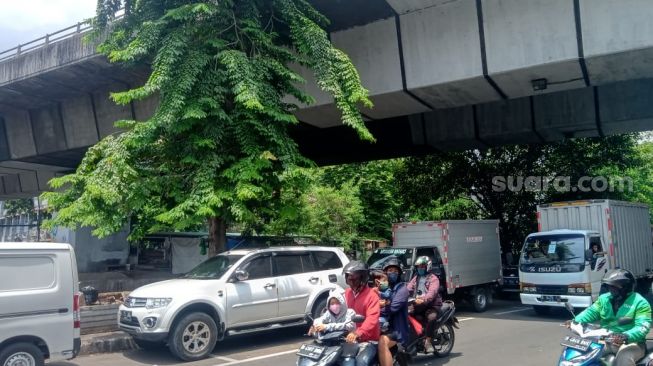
(217, 236)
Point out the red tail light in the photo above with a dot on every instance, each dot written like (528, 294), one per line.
(76, 313)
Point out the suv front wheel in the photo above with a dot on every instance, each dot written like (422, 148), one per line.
(193, 337)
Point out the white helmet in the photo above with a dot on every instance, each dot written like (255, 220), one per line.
(424, 261)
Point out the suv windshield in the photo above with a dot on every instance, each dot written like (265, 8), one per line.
(554, 249)
(380, 256)
(213, 268)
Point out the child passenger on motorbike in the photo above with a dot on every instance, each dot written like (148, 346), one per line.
(337, 317)
(424, 287)
(382, 287)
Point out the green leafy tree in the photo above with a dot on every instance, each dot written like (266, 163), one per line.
(217, 145)
(21, 206)
(462, 184)
(375, 182)
(333, 214)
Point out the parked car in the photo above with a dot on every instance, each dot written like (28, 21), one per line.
(39, 303)
(239, 291)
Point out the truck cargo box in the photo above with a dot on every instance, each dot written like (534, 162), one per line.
(470, 249)
(624, 227)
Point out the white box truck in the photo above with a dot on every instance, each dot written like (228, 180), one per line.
(466, 255)
(557, 264)
(39, 303)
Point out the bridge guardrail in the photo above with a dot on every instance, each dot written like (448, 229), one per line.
(50, 38)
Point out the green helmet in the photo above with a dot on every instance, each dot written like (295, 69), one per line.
(424, 261)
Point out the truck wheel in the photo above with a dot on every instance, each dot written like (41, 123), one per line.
(21, 354)
(480, 299)
(193, 337)
(541, 310)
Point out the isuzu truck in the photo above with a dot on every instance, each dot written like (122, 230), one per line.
(577, 243)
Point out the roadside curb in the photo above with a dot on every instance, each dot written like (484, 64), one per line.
(106, 343)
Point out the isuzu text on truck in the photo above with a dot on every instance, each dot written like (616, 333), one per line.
(558, 263)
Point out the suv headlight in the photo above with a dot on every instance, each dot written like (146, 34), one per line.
(157, 302)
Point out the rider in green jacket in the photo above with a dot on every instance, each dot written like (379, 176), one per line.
(622, 301)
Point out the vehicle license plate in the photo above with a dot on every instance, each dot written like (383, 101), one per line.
(125, 316)
(576, 343)
(312, 351)
(551, 298)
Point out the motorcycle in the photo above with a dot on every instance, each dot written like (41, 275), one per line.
(442, 331)
(588, 348)
(332, 349)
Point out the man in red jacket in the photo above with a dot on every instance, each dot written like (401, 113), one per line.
(364, 301)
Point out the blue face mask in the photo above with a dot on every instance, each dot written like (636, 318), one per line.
(393, 277)
(421, 271)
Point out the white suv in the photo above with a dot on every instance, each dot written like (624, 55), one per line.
(234, 292)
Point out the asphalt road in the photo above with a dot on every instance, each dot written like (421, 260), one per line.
(507, 334)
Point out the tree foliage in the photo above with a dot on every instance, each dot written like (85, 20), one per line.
(217, 145)
(461, 185)
(20, 206)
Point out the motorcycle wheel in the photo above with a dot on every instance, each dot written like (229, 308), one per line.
(400, 359)
(443, 340)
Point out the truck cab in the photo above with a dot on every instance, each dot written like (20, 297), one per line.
(560, 266)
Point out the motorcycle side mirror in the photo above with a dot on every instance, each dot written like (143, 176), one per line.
(625, 321)
(358, 318)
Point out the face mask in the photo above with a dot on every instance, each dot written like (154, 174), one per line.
(393, 277)
(383, 286)
(421, 271)
(334, 308)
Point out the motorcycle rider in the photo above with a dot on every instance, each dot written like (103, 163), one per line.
(629, 344)
(337, 317)
(425, 288)
(396, 311)
(364, 301)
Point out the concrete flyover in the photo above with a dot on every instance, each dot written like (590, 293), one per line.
(443, 74)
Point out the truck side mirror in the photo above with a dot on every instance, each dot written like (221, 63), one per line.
(589, 255)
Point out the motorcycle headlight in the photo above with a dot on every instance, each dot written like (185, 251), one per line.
(157, 302)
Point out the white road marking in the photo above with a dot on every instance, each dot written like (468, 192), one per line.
(512, 311)
(224, 358)
(236, 362)
(463, 319)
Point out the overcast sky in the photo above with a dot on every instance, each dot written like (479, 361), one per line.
(24, 20)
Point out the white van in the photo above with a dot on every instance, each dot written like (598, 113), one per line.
(39, 303)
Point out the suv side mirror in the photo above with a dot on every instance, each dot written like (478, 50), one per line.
(241, 275)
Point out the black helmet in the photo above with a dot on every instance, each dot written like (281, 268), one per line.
(392, 262)
(356, 267)
(621, 279)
